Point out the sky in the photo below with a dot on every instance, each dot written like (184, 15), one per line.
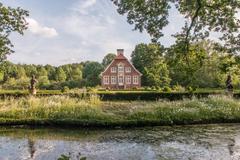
(72, 31)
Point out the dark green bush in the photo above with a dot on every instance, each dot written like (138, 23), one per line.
(119, 95)
(65, 89)
(167, 89)
(152, 96)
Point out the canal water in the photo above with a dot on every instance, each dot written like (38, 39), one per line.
(199, 142)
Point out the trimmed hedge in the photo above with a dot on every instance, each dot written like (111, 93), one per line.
(25, 93)
(153, 96)
(41, 93)
(119, 95)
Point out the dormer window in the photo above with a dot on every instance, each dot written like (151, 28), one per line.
(120, 68)
(113, 69)
(128, 69)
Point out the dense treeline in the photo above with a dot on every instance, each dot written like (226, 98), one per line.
(205, 66)
(77, 75)
(17, 76)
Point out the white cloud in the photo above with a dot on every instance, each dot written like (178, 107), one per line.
(36, 28)
(99, 32)
(83, 6)
(89, 30)
(36, 53)
(88, 3)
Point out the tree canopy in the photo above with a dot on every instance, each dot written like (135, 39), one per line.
(108, 59)
(149, 60)
(201, 18)
(11, 20)
(91, 73)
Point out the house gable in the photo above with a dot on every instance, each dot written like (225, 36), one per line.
(120, 58)
(120, 74)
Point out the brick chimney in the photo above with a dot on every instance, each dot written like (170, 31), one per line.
(120, 52)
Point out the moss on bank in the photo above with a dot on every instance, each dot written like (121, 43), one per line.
(66, 111)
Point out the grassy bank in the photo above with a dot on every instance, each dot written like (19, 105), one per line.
(66, 111)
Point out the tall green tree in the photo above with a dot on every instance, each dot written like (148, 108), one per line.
(11, 20)
(149, 60)
(60, 75)
(91, 73)
(201, 67)
(9, 69)
(108, 59)
(76, 74)
(41, 71)
(30, 70)
(201, 18)
(43, 81)
(67, 69)
(20, 72)
(51, 72)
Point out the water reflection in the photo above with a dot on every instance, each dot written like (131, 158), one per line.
(31, 147)
(181, 142)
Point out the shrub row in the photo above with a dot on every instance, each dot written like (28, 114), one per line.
(153, 96)
(24, 93)
(42, 93)
(119, 95)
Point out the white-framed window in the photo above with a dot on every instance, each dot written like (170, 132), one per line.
(120, 68)
(128, 79)
(106, 79)
(113, 80)
(120, 79)
(135, 79)
(128, 69)
(113, 69)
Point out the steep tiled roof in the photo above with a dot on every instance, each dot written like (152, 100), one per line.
(120, 56)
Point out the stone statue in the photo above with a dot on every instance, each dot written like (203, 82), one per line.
(229, 86)
(32, 87)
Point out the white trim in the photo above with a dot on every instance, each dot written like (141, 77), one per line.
(121, 67)
(122, 78)
(135, 79)
(128, 69)
(107, 67)
(113, 69)
(105, 79)
(115, 79)
(128, 79)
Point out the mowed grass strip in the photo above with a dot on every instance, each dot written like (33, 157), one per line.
(91, 112)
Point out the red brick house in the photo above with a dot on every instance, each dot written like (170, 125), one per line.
(120, 74)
